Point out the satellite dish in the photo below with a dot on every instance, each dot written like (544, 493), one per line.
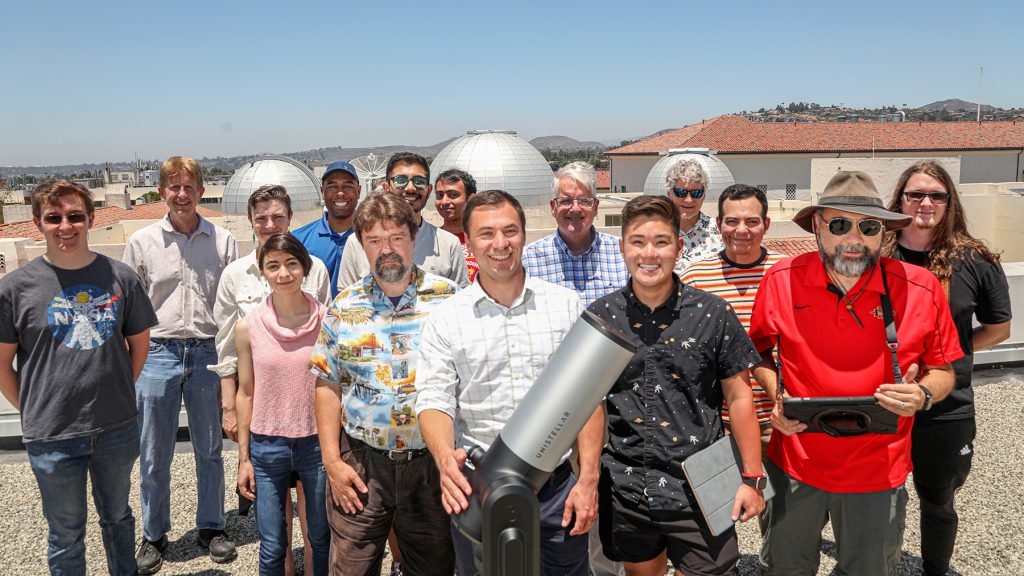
(370, 166)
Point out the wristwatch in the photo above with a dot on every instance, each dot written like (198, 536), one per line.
(758, 481)
(927, 397)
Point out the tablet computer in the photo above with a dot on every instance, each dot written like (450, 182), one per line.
(842, 415)
(714, 476)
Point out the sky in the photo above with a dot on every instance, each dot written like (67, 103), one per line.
(87, 82)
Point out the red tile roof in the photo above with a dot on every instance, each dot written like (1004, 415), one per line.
(104, 217)
(791, 246)
(737, 135)
(604, 179)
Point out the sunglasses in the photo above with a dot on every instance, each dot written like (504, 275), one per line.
(73, 218)
(682, 192)
(936, 197)
(841, 226)
(585, 202)
(418, 182)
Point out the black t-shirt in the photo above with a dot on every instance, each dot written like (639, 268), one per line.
(74, 370)
(977, 289)
(666, 404)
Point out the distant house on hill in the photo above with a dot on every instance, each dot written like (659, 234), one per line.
(777, 156)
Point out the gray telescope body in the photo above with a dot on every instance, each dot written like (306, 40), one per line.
(503, 510)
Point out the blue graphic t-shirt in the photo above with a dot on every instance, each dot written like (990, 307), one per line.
(74, 371)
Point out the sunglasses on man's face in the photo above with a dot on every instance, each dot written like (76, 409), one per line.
(841, 226)
(73, 218)
(682, 192)
(418, 182)
(936, 197)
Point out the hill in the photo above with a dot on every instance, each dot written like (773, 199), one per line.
(564, 143)
(954, 105)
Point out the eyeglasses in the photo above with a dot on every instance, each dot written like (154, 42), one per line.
(73, 218)
(936, 197)
(840, 226)
(682, 192)
(418, 182)
(585, 202)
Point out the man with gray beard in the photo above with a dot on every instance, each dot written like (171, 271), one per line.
(847, 323)
(380, 476)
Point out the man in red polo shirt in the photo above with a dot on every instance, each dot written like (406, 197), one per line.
(825, 313)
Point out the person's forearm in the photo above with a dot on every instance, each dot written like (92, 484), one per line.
(744, 426)
(228, 392)
(9, 386)
(327, 406)
(589, 443)
(988, 335)
(438, 433)
(939, 380)
(242, 405)
(765, 374)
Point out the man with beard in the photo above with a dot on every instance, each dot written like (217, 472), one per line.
(326, 238)
(828, 313)
(379, 472)
(943, 438)
(436, 251)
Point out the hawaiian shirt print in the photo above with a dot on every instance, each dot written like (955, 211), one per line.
(700, 242)
(369, 347)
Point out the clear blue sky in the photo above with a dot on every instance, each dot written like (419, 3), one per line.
(98, 81)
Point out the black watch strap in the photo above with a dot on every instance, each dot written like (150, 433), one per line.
(759, 482)
(927, 397)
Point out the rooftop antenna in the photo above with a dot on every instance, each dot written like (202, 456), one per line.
(981, 72)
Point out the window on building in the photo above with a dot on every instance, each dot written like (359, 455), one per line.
(790, 191)
(612, 220)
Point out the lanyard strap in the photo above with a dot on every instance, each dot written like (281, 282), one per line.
(890, 336)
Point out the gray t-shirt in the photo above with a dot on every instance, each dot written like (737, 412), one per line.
(74, 371)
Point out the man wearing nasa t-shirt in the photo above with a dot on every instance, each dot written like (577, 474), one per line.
(79, 324)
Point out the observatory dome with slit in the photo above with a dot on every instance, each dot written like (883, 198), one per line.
(303, 187)
(499, 159)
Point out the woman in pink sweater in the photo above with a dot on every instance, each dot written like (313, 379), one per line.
(274, 405)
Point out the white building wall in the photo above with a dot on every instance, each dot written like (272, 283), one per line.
(631, 171)
(990, 167)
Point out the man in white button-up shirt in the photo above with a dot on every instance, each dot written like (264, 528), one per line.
(480, 353)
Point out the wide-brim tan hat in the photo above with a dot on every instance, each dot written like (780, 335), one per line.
(852, 192)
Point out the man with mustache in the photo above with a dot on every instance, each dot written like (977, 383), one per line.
(827, 314)
(436, 251)
(481, 352)
(326, 238)
(379, 473)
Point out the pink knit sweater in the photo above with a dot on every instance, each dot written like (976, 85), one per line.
(282, 403)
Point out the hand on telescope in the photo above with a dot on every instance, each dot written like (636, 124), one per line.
(582, 501)
(454, 485)
(344, 482)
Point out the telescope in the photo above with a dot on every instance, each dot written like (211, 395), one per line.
(503, 514)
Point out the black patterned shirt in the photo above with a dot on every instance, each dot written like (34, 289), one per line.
(665, 404)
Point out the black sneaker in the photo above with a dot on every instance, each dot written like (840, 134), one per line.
(222, 549)
(150, 556)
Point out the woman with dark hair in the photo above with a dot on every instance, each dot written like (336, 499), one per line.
(943, 436)
(277, 432)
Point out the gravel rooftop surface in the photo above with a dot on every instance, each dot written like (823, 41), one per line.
(991, 505)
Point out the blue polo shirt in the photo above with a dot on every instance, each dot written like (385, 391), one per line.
(325, 244)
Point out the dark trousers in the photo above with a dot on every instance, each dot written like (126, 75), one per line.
(942, 451)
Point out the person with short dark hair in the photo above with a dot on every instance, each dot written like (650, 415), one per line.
(180, 259)
(942, 445)
(847, 322)
(452, 190)
(436, 251)
(78, 324)
(277, 434)
(380, 477)
(326, 238)
(481, 351)
(577, 255)
(735, 273)
(693, 354)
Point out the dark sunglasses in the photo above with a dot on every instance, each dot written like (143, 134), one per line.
(73, 218)
(682, 192)
(418, 182)
(840, 226)
(936, 197)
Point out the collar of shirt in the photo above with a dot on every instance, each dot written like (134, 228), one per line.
(702, 225)
(567, 252)
(380, 299)
(324, 229)
(675, 298)
(205, 227)
(760, 260)
(816, 276)
(481, 297)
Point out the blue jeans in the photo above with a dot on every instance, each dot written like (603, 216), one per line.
(176, 369)
(273, 460)
(60, 467)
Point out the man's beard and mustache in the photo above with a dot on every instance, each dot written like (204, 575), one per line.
(844, 265)
(391, 267)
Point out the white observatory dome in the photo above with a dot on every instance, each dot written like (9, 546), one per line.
(719, 176)
(498, 159)
(303, 187)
